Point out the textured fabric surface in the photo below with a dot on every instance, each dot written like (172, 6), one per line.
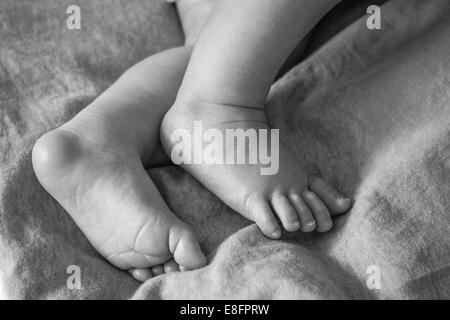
(369, 111)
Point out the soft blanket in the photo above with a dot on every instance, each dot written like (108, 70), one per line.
(369, 111)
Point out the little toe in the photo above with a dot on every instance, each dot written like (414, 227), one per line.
(320, 211)
(308, 224)
(335, 201)
(185, 247)
(285, 212)
(141, 275)
(158, 270)
(259, 211)
(171, 266)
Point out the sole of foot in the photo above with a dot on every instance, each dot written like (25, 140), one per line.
(107, 192)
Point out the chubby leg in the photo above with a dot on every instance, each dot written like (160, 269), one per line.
(193, 14)
(239, 51)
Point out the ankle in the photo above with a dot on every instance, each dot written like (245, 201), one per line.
(95, 132)
(192, 102)
(197, 88)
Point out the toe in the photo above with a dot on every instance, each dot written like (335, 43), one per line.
(158, 270)
(307, 221)
(287, 214)
(335, 201)
(171, 266)
(320, 211)
(259, 211)
(185, 247)
(141, 275)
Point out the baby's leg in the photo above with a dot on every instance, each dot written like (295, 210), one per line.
(93, 166)
(193, 14)
(236, 58)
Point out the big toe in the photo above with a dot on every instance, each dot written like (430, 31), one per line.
(333, 199)
(259, 210)
(185, 248)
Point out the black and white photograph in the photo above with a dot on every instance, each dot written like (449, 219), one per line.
(237, 151)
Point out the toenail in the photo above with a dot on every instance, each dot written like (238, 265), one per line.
(276, 234)
(310, 226)
(296, 224)
(328, 224)
(343, 199)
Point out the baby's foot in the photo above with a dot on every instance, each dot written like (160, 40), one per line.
(287, 194)
(108, 193)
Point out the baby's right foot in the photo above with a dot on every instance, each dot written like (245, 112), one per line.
(224, 90)
(286, 193)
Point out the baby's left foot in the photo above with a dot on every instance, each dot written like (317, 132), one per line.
(250, 188)
(95, 167)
